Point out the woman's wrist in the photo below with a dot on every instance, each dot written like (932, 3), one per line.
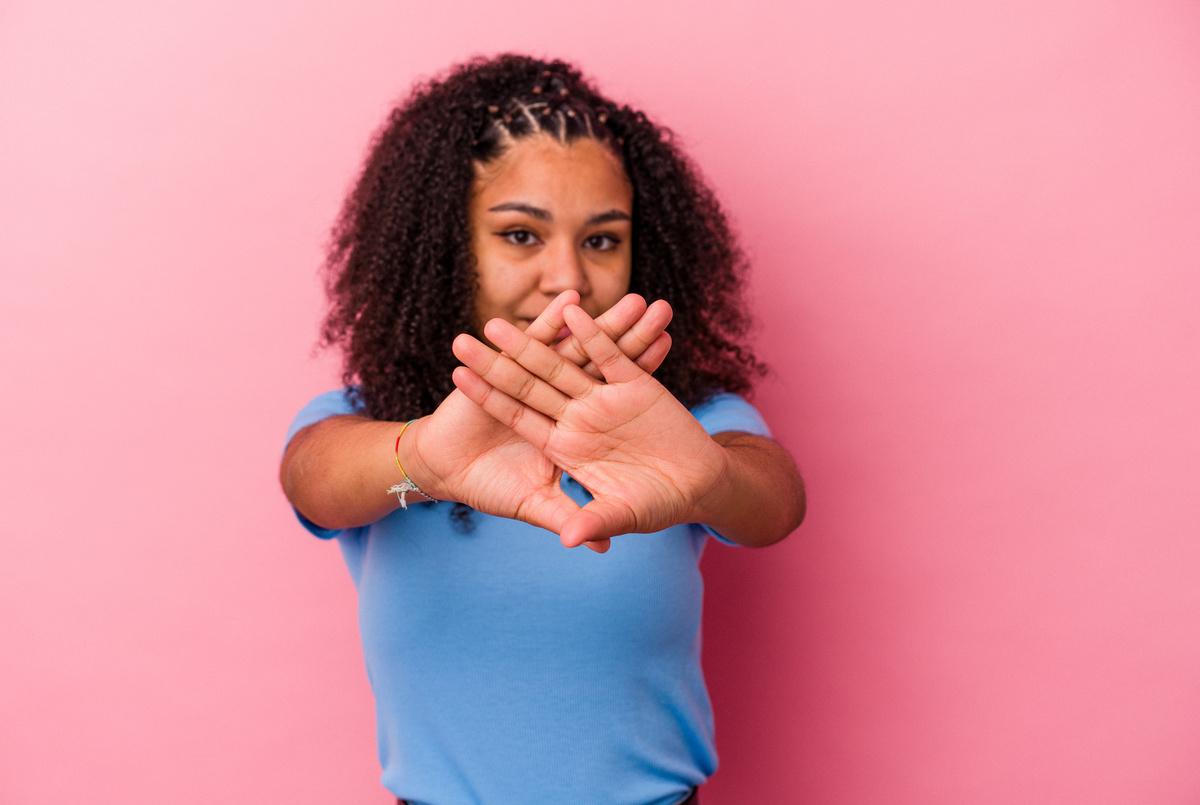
(711, 506)
(417, 472)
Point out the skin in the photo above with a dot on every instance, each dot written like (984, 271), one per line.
(547, 218)
(552, 240)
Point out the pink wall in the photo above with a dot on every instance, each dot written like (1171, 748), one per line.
(977, 245)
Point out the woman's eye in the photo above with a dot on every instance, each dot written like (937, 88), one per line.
(601, 243)
(519, 237)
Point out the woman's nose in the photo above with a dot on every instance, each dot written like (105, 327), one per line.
(564, 270)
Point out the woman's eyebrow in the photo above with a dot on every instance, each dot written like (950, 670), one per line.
(528, 209)
(608, 217)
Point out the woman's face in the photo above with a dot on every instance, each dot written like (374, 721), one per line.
(547, 218)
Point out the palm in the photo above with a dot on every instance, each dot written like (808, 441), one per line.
(644, 458)
(491, 469)
(641, 454)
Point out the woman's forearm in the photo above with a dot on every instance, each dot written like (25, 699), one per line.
(336, 471)
(761, 498)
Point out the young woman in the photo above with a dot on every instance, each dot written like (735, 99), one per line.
(511, 217)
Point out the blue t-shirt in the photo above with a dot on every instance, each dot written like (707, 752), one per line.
(508, 670)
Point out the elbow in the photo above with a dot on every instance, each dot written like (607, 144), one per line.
(799, 507)
(297, 480)
(795, 506)
(291, 473)
(790, 516)
(310, 506)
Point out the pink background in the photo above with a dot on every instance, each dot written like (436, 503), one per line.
(976, 230)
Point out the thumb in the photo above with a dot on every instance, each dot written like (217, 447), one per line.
(550, 512)
(596, 522)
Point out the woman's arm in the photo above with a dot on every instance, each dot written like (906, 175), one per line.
(761, 498)
(335, 472)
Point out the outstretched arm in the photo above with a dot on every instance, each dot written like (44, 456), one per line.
(646, 460)
(762, 499)
(335, 471)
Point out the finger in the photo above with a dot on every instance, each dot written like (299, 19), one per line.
(645, 330)
(527, 423)
(506, 375)
(612, 363)
(599, 520)
(615, 321)
(538, 359)
(621, 316)
(600, 545)
(638, 339)
(655, 354)
(546, 327)
(549, 512)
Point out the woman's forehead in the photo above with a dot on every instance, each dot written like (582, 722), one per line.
(541, 165)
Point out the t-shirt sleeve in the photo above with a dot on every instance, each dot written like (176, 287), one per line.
(729, 412)
(331, 403)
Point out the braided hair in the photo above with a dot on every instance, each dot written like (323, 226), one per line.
(400, 273)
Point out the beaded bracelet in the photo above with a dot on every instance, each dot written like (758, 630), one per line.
(401, 490)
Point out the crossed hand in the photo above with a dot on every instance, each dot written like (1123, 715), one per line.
(590, 408)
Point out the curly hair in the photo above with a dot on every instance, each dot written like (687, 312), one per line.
(400, 273)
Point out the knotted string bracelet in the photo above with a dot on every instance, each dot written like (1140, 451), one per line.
(401, 490)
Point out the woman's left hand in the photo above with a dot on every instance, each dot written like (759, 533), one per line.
(646, 460)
